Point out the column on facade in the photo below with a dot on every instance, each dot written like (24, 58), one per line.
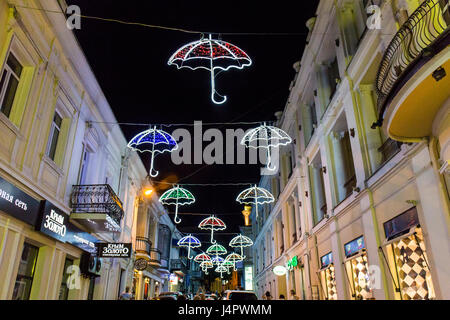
(48, 274)
(140, 286)
(434, 218)
(339, 270)
(340, 167)
(372, 136)
(323, 88)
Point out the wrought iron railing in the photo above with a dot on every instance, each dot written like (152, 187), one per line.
(421, 29)
(99, 198)
(143, 245)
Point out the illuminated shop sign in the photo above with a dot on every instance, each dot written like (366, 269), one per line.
(354, 246)
(81, 239)
(279, 270)
(292, 263)
(18, 204)
(54, 222)
(114, 250)
(326, 260)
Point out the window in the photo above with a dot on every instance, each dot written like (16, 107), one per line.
(55, 131)
(83, 165)
(9, 83)
(64, 290)
(25, 275)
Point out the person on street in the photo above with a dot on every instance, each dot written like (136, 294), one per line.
(268, 296)
(281, 297)
(126, 295)
(294, 296)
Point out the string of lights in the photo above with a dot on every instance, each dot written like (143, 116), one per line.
(179, 124)
(153, 26)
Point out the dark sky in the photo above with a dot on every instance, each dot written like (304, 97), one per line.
(130, 63)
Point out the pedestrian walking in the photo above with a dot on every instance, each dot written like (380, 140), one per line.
(268, 296)
(281, 297)
(294, 296)
(126, 295)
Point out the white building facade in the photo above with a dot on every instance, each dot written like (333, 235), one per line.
(360, 213)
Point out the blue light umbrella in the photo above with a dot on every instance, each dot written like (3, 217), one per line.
(154, 141)
(189, 242)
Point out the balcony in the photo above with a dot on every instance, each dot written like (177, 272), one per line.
(412, 80)
(97, 207)
(155, 258)
(178, 265)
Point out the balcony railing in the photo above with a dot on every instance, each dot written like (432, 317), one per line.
(422, 28)
(177, 264)
(143, 245)
(97, 199)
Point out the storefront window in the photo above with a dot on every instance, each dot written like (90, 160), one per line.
(327, 277)
(64, 290)
(25, 275)
(408, 260)
(357, 269)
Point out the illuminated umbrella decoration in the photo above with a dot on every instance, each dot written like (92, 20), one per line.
(241, 241)
(216, 250)
(154, 141)
(201, 257)
(217, 260)
(205, 265)
(212, 223)
(189, 242)
(255, 195)
(221, 269)
(233, 258)
(272, 137)
(210, 54)
(179, 197)
(229, 264)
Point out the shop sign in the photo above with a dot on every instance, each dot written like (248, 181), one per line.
(114, 250)
(80, 239)
(354, 246)
(173, 278)
(54, 222)
(279, 270)
(401, 223)
(18, 204)
(292, 263)
(326, 259)
(140, 264)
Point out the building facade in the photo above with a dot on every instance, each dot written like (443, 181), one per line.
(67, 179)
(362, 194)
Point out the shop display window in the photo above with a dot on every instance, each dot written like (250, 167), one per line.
(408, 260)
(327, 277)
(357, 269)
(25, 275)
(64, 289)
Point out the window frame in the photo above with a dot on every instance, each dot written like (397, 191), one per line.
(51, 135)
(9, 72)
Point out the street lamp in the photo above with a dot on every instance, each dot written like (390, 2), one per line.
(246, 212)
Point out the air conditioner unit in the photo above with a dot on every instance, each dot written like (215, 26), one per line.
(90, 265)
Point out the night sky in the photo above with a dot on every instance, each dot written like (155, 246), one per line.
(130, 63)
